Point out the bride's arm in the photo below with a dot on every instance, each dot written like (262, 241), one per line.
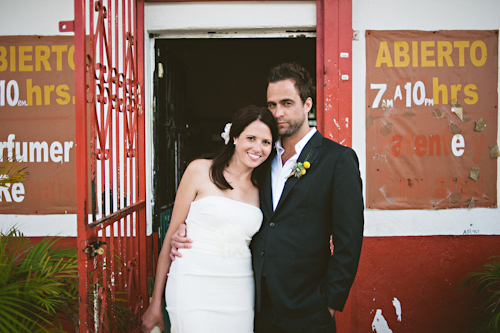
(186, 193)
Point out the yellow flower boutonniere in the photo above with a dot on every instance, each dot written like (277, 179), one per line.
(299, 169)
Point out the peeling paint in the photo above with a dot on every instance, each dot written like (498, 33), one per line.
(370, 121)
(480, 124)
(453, 128)
(387, 129)
(438, 114)
(474, 174)
(336, 123)
(438, 201)
(494, 151)
(471, 204)
(379, 323)
(346, 122)
(457, 109)
(397, 307)
(387, 197)
(456, 197)
(380, 157)
(389, 112)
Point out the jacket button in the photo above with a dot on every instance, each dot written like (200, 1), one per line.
(262, 253)
(272, 225)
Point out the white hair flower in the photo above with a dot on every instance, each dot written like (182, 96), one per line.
(225, 134)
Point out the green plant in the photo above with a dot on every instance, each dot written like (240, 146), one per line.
(11, 172)
(486, 280)
(38, 284)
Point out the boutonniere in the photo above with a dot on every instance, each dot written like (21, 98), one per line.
(299, 169)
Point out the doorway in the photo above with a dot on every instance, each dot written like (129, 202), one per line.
(199, 84)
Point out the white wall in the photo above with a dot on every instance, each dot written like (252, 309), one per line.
(417, 15)
(262, 16)
(36, 17)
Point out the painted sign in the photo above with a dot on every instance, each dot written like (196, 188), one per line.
(431, 119)
(37, 123)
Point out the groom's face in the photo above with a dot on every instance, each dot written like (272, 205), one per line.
(283, 100)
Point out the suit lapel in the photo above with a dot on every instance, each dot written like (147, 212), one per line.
(266, 197)
(310, 152)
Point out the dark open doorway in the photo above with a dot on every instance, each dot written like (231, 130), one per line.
(199, 84)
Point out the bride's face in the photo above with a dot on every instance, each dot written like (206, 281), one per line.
(254, 144)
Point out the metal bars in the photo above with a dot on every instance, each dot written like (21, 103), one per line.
(110, 158)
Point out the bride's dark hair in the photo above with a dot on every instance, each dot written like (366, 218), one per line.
(241, 119)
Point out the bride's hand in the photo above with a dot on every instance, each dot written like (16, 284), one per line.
(179, 241)
(151, 318)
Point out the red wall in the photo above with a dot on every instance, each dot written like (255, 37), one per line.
(423, 274)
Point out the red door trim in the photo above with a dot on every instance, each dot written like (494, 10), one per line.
(144, 269)
(81, 154)
(333, 92)
(335, 115)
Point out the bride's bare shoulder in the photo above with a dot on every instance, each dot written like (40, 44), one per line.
(197, 176)
(199, 167)
(200, 164)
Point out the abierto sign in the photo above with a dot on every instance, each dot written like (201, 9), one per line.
(431, 119)
(37, 123)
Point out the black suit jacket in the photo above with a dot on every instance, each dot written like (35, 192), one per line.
(292, 247)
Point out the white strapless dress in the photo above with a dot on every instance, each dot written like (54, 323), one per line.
(211, 288)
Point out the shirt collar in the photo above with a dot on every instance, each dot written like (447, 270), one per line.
(299, 145)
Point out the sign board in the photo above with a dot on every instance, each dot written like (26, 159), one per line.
(37, 123)
(431, 119)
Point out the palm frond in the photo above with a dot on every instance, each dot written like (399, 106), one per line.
(39, 287)
(486, 280)
(37, 282)
(11, 171)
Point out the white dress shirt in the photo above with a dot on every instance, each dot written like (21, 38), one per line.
(280, 172)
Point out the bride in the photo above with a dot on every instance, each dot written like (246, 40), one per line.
(212, 288)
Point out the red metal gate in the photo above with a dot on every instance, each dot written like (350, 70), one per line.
(110, 163)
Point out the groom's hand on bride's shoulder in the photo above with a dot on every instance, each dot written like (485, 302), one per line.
(179, 241)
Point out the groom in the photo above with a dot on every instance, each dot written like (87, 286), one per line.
(299, 283)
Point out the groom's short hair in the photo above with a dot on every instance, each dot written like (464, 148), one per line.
(295, 72)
